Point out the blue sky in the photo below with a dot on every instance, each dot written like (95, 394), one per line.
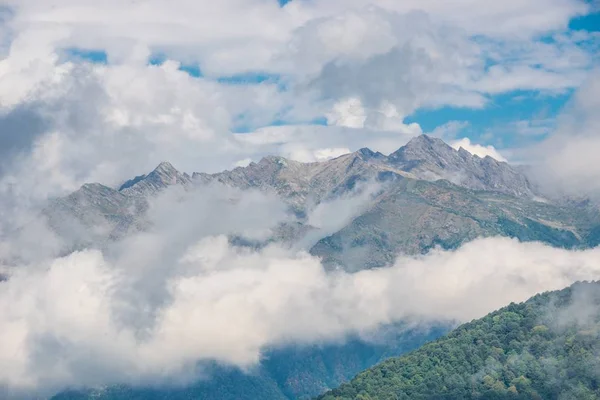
(590, 22)
(496, 117)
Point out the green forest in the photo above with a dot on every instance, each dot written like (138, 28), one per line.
(545, 348)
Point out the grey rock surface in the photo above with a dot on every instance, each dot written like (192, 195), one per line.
(432, 159)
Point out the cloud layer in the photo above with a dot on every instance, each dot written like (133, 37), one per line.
(159, 303)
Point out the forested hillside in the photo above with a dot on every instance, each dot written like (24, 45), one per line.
(546, 348)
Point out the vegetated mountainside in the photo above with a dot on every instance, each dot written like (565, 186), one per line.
(293, 372)
(429, 195)
(546, 348)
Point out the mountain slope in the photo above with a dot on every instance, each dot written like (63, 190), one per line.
(411, 216)
(93, 214)
(431, 195)
(546, 348)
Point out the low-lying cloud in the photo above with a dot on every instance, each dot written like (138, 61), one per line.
(68, 321)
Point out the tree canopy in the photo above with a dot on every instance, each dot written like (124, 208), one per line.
(545, 348)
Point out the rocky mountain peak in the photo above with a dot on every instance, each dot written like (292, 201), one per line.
(368, 154)
(423, 141)
(164, 175)
(424, 157)
(365, 151)
(432, 159)
(165, 167)
(423, 148)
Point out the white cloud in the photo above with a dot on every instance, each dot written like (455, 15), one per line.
(499, 19)
(502, 79)
(331, 215)
(328, 154)
(221, 34)
(69, 319)
(566, 161)
(477, 149)
(30, 63)
(231, 37)
(243, 163)
(107, 124)
(423, 62)
(303, 37)
(349, 113)
(556, 64)
(449, 130)
(534, 127)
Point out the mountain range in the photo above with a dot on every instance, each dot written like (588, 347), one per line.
(426, 194)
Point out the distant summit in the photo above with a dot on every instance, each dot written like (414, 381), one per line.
(432, 159)
(162, 176)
